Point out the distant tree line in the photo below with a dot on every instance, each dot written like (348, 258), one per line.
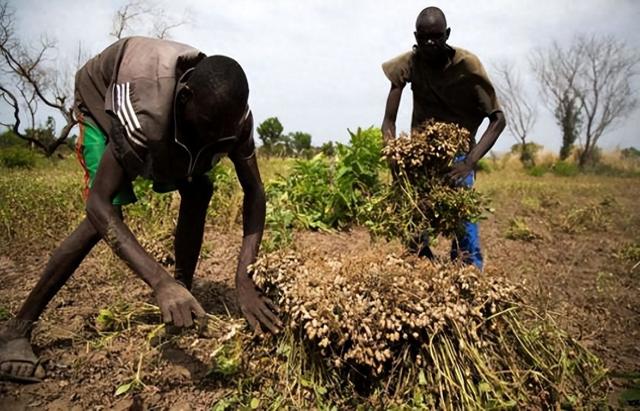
(294, 144)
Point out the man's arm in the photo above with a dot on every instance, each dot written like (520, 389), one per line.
(391, 112)
(497, 123)
(176, 303)
(256, 308)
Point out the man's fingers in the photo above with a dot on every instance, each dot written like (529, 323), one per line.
(166, 314)
(272, 306)
(187, 318)
(198, 310)
(250, 318)
(267, 322)
(177, 317)
(271, 316)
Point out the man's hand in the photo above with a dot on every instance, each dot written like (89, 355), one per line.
(176, 304)
(257, 309)
(460, 171)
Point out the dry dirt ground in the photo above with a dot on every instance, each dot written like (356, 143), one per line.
(577, 273)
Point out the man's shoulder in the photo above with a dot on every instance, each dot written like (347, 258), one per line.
(467, 59)
(401, 59)
(398, 69)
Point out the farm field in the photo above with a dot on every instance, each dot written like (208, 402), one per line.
(572, 244)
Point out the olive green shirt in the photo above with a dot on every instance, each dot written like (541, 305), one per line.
(460, 93)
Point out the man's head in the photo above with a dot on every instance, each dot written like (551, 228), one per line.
(214, 101)
(432, 33)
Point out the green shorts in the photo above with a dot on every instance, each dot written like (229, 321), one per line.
(90, 148)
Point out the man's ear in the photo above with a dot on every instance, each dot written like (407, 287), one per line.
(448, 32)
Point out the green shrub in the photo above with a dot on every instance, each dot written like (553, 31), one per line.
(565, 169)
(9, 139)
(537, 171)
(17, 157)
(483, 166)
(630, 152)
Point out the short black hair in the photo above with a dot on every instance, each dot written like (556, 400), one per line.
(220, 84)
(429, 16)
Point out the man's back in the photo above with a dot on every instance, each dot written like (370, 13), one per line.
(134, 82)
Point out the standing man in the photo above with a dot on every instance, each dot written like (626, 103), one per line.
(164, 111)
(449, 84)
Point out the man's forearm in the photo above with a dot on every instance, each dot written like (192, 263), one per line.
(123, 243)
(253, 216)
(489, 137)
(391, 112)
(388, 129)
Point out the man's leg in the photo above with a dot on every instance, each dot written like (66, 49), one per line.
(17, 360)
(467, 244)
(420, 245)
(194, 201)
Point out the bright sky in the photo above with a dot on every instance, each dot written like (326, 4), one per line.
(316, 64)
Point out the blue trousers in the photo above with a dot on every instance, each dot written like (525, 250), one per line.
(467, 243)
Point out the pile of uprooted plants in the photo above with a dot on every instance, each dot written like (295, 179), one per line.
(386, 328)
(397, 329)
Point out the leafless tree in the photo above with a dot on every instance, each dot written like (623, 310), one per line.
(27, 83)
(604, 87)
(589, 87)
(556, 70)
(518, 106)
(140, 16)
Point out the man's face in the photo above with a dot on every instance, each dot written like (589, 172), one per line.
(432, 40)
(200, 128)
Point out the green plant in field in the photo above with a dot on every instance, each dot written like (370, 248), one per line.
(17, 157)
(227, 359)
(357, 175)
(320, 194)
(629, 252)
(531, 203)
(603, 281)
(484, 166)
(537, 170)
(135, 383)
(565, 169)
(630, 397)
(519, 230)
(4, 314)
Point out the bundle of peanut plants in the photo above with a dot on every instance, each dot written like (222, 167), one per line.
(394, 330)
(421, 198)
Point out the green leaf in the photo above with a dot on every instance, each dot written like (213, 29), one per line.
(630, 395)
(422, 380)
(255, 403)
(123, 389)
